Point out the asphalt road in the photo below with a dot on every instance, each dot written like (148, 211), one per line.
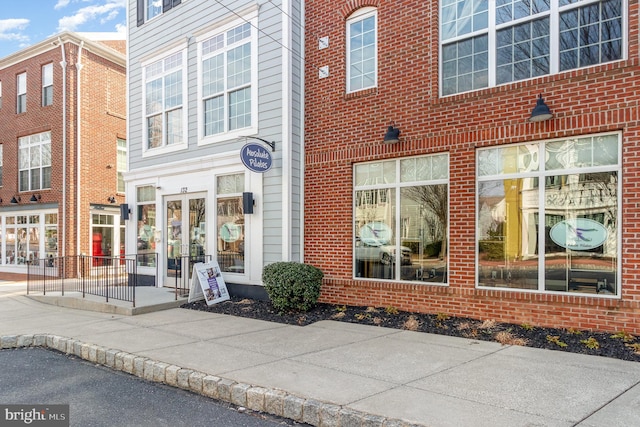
(100, 397)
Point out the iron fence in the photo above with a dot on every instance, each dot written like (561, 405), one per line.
(108, 277)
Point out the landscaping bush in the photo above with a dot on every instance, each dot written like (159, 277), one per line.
(292, 286)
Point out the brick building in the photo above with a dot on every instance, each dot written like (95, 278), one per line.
(481, 207)
(62, 149)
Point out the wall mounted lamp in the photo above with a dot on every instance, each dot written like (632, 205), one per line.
(111, 199)
(35, 198)
(540, 112)
(15, 200)
(392, 135)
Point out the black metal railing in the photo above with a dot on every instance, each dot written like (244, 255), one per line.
(108, 277)
(182, 279)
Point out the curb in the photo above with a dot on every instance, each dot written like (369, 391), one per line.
(259, 399)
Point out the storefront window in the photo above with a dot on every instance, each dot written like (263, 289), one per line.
(23, 243)
(401, 219)
(230, 223)
(146, 247)
(550, 225)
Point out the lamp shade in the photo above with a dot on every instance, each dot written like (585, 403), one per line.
(540, 112)
(391, 137)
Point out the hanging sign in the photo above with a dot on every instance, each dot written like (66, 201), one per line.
(256, 158)
(579, 234)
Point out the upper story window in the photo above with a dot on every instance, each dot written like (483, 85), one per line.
(47, 85)
(227, 87)
(148, 9)
(21, 85)
(164, 93)
(485, 44)
(362, 62)
(34, 161)
(121, 166)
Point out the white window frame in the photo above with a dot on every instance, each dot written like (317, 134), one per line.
(541, 173)
(164, 148)
(553, 14)
(121, 163)
(28, 144)
(358, 16)
(21, 93)
(47, 85)
(377, 186)
(221, 30)
(150, 7)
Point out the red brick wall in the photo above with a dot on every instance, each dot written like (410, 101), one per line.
(103, 119)
(343, 129)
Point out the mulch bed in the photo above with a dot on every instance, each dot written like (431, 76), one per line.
(618, 345)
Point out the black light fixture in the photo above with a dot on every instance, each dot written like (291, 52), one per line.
(392, 135)
(111, 199)
(14, 200)
(541, 112)
(35, 198)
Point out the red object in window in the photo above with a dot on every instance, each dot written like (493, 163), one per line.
(97, 249)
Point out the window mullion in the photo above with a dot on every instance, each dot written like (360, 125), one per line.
(554, 37)
(492, 44)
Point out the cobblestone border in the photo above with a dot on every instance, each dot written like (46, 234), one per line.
(259, 399)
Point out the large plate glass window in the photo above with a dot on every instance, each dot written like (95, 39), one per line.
(549, 214)
(488, 43)
(146, 215)
(401, 219)
(230, 223)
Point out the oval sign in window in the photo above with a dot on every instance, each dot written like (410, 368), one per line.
(256, 158)
(578, 234)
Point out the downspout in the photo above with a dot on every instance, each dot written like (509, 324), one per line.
(78, 150)
(63, 64)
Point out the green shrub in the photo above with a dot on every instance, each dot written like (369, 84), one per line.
(292, 286)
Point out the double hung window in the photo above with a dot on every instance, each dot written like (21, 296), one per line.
(164, 99)
(227, 64)
(486, 43)
(21, 86)
(47, 85)
(34, 162)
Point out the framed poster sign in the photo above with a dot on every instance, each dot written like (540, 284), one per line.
(207, 283)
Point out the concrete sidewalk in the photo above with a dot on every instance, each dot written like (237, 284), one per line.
(337, 374)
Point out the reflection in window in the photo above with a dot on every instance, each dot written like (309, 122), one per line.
(146, 214)
(589, 33)
(401, 219)
(560, 237)
(362, 50)
(230, 223)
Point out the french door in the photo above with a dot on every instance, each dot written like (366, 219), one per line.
(185, 234)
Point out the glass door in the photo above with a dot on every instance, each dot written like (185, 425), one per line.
(185, 234)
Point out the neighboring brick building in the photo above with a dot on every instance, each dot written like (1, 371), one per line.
(62, 149)
(477, 210)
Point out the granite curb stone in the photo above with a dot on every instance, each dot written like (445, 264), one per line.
(261, 399)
